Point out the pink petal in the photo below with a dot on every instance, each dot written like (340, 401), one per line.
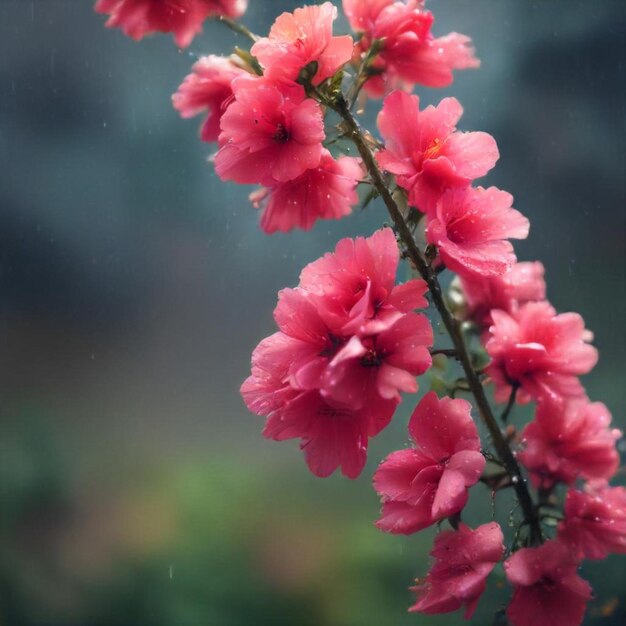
(400, 518)
(409, 296)
(473, 153)
(394, 477)
(451, 494)
(398, 123)
(444, 426)
(392, 380)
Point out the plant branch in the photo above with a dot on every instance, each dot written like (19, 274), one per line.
(429, 275)
(509, 405)
(238, 28)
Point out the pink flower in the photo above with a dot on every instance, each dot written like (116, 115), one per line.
(569, 440)
(387, 362)
(299, 38)
(346, 368)
(331, 436)
(539, 351)
(548, 590)
(184, 18)
(471, 227)
(422, 485)
(362, 14)
(426, 153)
(207, 88)
(522, 283)
(409, 54)
(358, 280)
(332, 376)
(463, 560)
(327, 191)
(595, 521)
(269, 133)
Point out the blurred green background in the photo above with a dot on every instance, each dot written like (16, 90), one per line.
(135, 488)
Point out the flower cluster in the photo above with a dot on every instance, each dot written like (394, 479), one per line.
(350, 341)
(183, 18)
(268, 131)
(407, 51)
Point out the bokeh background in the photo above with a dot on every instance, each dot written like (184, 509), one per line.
(135, 488)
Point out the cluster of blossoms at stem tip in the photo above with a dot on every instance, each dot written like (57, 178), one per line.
(268, 131)
(350, 340)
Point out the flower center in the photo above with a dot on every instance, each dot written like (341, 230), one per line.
(332, 347)
(433, 150)
(371, 359)
(443, 463)
(547, 583)
(456, 232)
(282, 134)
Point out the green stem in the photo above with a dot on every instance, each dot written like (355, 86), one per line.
(238, 28)
(509, 405)
(429, 275)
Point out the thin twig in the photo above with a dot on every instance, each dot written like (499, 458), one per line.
(510, 404)
(238, 28)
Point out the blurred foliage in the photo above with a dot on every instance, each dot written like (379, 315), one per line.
(217, 542)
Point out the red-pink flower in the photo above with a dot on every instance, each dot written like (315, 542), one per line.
(471, 228)
(207, 89)
(548, 589)
(327, 191)
(424, 151)
(333, 374)
(419, 486)
(331, 437)
(347, 368)
(409, 53)
(302, 37)
(595, 521)
(358, 280)
(569, 440)
(522, 283)
(463, 560)
(269, 133)
(541, 352)
(387, 362)
(183, 18)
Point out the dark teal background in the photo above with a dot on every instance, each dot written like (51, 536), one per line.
(135, 488)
